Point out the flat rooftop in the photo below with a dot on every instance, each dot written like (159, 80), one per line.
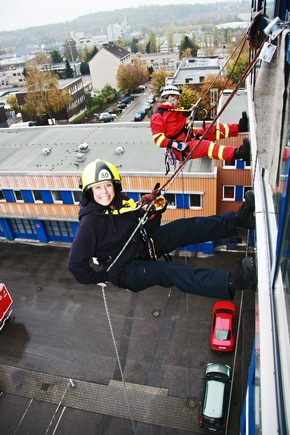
(55, 149)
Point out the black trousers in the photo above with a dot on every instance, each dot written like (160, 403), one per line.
(141, 274)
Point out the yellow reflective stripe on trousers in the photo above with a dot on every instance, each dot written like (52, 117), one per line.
(210, 150)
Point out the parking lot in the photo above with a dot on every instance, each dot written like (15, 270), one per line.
(59, 370)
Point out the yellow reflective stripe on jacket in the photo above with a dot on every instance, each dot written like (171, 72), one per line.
(158, 138)
(210, 150)
(225, 134)
(127, 205)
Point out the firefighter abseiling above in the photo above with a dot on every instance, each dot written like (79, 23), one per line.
(107, 220)
(171, 130)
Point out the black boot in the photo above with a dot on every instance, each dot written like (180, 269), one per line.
(245, 215)
(244, 278)
(244, 151)
(244, 123)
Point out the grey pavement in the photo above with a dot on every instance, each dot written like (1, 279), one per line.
(59, 370)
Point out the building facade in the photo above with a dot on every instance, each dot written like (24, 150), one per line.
(104, 65)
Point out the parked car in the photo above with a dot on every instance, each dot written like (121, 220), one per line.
(121, 106)
(222, 331)
(140, 115)
(107, 117)
(215, 397)
(126, 100)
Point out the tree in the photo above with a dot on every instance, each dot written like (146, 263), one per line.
(134, 45)
(70, 50)
(212, 82)
(237, 64)
(170, 42)
(187, 43)
(43, 95)
(108, 94)
(158, 80)
(131, 76)
(151, 46)
(188, 97)
(13, 103)
(40, 58)
(69, 72)
(56, 57)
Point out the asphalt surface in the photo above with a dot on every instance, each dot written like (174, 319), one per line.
(59, 370)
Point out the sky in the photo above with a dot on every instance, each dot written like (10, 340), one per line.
(21, 14)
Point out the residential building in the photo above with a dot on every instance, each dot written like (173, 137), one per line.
(75, 87)
(167, 61)
(193, 71)
(104, 65)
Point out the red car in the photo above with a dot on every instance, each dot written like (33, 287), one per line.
(222, 333)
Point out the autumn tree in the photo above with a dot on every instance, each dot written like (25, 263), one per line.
(43, 95)
(131, 76)
(188, 97)
(40, 58)
(216, 84)
(158, 80)
(237, 64)
(13, 103)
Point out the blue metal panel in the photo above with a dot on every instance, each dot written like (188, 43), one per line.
(46, 196)
(74, 226)
(7, 230)
(27, 195)
(66, 197)
(240, 164)
(182, 201)
(9, 196)
(133, 195)
(239, 193)
(40, 230)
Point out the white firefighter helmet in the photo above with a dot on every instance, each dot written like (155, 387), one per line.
(170, 90)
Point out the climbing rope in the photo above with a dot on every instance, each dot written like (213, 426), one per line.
(117, 355)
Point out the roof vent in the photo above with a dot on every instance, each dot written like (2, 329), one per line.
(46, 151)
(83, 147)
(80, 157)
(119, 150)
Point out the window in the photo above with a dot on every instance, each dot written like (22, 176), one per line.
(230, 165)
(246, 189)
(171, 199)
(229, 193)
(2, 197)
(195, 200)
(77, 194)
(37, 196)
(18, 195)
(56, 196)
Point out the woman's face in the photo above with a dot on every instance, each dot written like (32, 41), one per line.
(104, 192)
